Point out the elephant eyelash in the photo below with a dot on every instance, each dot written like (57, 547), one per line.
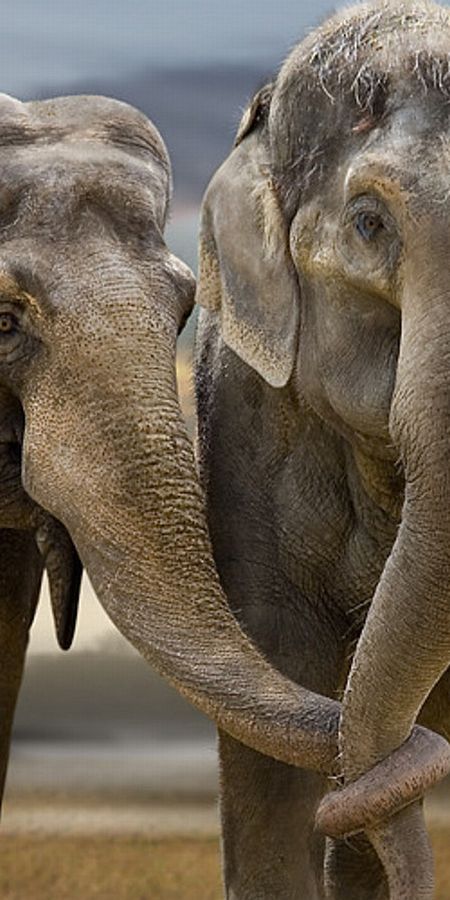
(365, 124)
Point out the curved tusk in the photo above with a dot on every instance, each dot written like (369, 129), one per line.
(64, 571)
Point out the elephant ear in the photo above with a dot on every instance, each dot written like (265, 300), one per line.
(246, 271)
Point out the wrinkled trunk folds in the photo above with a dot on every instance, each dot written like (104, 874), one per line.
(135, 512)
(151, 566)
(405, 645)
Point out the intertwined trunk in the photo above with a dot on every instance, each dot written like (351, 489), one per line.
(405, 644)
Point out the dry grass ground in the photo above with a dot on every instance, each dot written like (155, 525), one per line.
(108, 869)
(133, 868)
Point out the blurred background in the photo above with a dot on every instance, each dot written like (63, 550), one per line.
(101, 745)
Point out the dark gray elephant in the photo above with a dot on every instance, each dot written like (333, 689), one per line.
(93, 449)
(323, 385)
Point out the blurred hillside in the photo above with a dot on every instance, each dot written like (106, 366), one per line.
(101, 722)
(109, 695)
(58, 43)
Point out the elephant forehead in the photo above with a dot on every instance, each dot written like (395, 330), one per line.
(382, 36)
(85, 158)
(81, 144)
(352, 74)
(42, 178)
(94, 117)
(73, 120)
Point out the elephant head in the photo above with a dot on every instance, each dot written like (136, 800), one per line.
(94, 453)
(325, 254)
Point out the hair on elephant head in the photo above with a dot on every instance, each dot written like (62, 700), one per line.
(325, 243)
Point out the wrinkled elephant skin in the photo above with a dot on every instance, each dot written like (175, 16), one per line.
(323, 385)
(96, 467)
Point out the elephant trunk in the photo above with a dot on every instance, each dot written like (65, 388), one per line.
(122, 479)
(160, 588)
(405, 644)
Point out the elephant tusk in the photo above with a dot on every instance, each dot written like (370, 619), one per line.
(64, 571)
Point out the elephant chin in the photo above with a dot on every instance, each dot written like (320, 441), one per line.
(18, 511)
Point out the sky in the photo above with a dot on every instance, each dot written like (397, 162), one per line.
(57, 42)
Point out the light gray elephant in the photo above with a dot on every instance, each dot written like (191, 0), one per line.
(94, 453)
(323, 385)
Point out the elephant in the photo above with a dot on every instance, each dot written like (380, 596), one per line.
(323, 394)
(96, 467)
(97, 470)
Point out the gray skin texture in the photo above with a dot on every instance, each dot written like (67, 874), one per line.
(96, 467)
(323, 387)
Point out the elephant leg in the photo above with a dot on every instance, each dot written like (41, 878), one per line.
(20, 580)
(353, 871)
(267, 812)
(352, 868)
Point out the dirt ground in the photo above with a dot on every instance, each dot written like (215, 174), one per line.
(106, 868)
(42, 866)
(132, 868)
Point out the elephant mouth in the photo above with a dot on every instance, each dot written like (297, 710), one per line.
(59, 556)
(17, 509)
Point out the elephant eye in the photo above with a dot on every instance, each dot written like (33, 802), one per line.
(8, 323)
(368, 225)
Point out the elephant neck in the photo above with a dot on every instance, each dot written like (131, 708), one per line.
(360, 487)
(368, 462)
(272, 458)
(381, 481)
